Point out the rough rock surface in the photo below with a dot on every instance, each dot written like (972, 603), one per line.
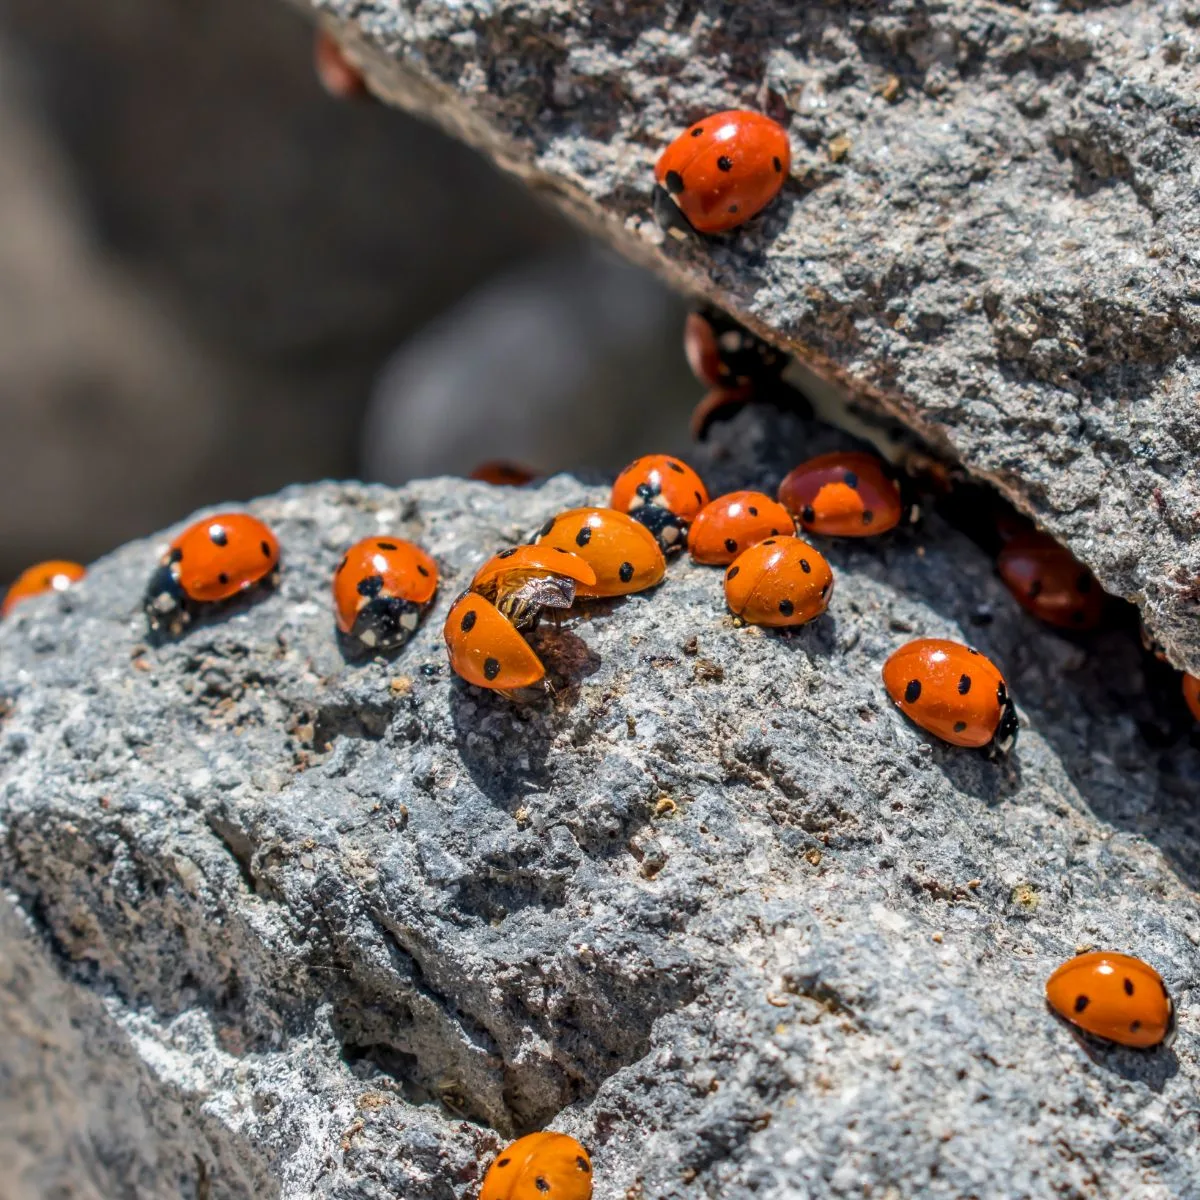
(990, 227)
(286, 924)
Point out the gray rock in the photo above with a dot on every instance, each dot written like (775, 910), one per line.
(294, 925)
(989, 231)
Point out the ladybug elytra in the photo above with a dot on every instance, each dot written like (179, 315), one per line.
(1113, 996)
(539, 1166)
(844, 494)
(779, 582)
(623, 553)
(734, 522)
(1048, 581)
(54, 575)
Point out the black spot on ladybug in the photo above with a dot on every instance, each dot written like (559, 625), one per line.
(733, 208)
(868, 517)
(265, 549)
(582, 1164)
(699, 498)
(698, 131)
(752, 511)
(804, 566)
(1035, 589)
(851, 480)
(507, 553)
(491, 668)
(541, 1184)
(175, 556)
(769, 542)
(342, 564)
(1084, 583)
(777, 164)
(959, 726)
(674, 182)
(646, 491)
(217, 535)
(807, 514)
(1134, 1026)
(964, 684)
(732, 572)
(583, 536)
(1129, 987)
(504, 1161)
(786, 607)
(370, 585)
(912, 693)
(387, 545)
(223, 577)
(1081, 1002)
(730, 545)
(545, 529)
(626, 572)
(724, 163)
(1077, 617)
(674, 466)
(422, 571)
(466, 625)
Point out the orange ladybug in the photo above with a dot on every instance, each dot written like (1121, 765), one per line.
(781, 581)
(539, 1166)
(1191, 694)
(952, 691)
(1113, 996)
(381, 589)
(485, 647)
(53, 575)
(501, 473)
(212, 560)
(623, 553)
(337, 75)
(724, 354)
(734, 522)
(663, 494)
(720, 172)
(1050, 582)
(844, 494)
(717, 405)
(523, 580)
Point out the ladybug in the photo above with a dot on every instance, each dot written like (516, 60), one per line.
(718, 405)
(54, 575)
(523, 580)
(1191, 694)
(485, 647)
(724, 354)
(780, 581)
(734, 522)
(844, 494)
(540, 1166)
(1113, 996)
(501, 473)
(720, 172)
(1050, 582)
(952, 691)
(623, 553)
(211, 560)
(337, 75)
(381, 589)
(661, 493)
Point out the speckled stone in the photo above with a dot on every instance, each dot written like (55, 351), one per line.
(990, 229)
(285, 924)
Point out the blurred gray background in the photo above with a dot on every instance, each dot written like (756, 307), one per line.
(215, 280)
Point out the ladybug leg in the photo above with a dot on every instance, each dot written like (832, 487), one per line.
(669, 216)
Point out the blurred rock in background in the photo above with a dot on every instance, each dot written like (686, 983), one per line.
(205, 262)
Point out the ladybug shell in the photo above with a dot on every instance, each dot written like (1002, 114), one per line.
(503, 474)
(724, 354)
(53, 575)
(781, 581)
(220, 556)
(485, 648)
(735, 522)
(1191, 694)
(1049, 582)
(381, 587)
(623, 553)
(948, 689)
(337, 75)
(1113, 996)
(540, 1166)
(844, 494)
(661, 493)
(724, 169)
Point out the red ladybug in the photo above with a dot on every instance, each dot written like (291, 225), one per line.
(337, 75)
(1050, 582)
(718, 405)
(381, 589)
(1191, 694)
(539, 1166)
(54, 575)
(623, 554)
(523, 580)
(720, 172)
(781, 581)
(663, 494)
(734, 522)
(844, 494)
(212, 560)
(486, 649)
(501, 473)
(1113, 996)
(953, 692)
(724, 354)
